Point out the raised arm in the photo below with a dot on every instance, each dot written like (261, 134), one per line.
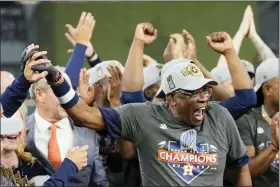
(222, 43)
(245, 97)
(83, 35)
(15, 94)
(262, 49)
(133, 77)
(90, 53)
(77, 109)
(219, 92)
(239, 35)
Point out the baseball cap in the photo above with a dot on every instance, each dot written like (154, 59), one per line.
(186, 76)
(248, 65)
(11, 125)
(266, 71)
(152, 74)
(165, 68)
(221, 73)
(99, 71)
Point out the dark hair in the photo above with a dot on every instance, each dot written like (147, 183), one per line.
(260, 97)
(251, 75)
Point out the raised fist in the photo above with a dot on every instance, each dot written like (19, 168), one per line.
(146, 33)
(220, 42)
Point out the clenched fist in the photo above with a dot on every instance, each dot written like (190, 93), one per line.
(220, 42)
(145, 32)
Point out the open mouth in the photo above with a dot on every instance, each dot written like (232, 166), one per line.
(199, 113)
(12, 136)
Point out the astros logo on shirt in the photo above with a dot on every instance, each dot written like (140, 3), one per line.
(186, 157)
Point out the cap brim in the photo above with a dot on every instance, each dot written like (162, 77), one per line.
(199, 83)
(257, 87)
(160, 94)
(11, 126)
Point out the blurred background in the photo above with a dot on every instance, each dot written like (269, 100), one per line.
(43, 23)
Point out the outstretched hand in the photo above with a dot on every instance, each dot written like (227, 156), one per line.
(86, 92)
(115, 85)
(175, 48)
(190, 50)
(71, 35)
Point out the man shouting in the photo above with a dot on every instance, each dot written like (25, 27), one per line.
(185, 141)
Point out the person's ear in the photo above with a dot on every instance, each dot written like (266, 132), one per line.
(39, 94)
(267, 90)
(171, 99)
(148, 93)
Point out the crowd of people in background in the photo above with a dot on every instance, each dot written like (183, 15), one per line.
(145, 123)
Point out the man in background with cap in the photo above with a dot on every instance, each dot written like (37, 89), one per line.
(152, 77)
(250, 69)
(189, 139)
(107, 93)
(259, 132)
(222, 74)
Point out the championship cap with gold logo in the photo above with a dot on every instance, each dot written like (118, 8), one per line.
(185, 76)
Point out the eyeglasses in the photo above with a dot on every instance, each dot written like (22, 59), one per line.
(206, 91)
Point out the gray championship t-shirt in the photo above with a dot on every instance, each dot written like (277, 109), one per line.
(174, 154)
(255, 131)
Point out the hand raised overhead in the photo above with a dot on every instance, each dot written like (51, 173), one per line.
(146, 33)
(220, 42)
(71, 35)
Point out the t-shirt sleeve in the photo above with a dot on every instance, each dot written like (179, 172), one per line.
(130, 128)
(112, 122)
(237, 148)
(133, 97)
(245, 130)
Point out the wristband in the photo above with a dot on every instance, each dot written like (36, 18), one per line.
(93, 57)
(93, 53)
(275, 146)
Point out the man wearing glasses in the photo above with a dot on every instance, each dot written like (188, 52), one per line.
(185, 141)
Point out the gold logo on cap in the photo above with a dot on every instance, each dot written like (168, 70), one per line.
(191, 70)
